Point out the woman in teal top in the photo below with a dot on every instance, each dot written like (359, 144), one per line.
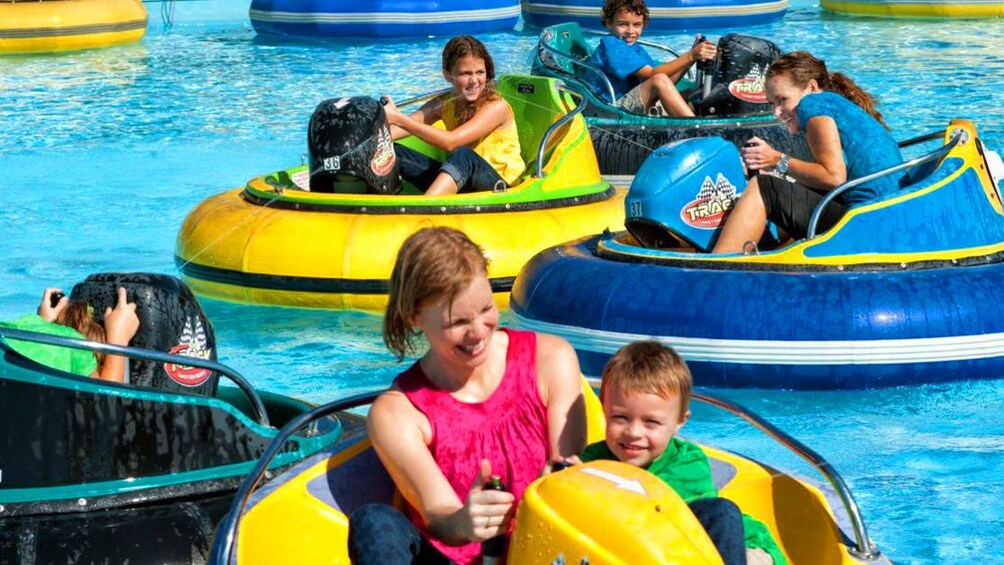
(847, 139)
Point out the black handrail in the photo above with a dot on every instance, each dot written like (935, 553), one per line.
(226, 535)
(554, 127)
(933, 155)
(261, 416)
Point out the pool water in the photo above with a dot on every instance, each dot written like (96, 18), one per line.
(103, 153)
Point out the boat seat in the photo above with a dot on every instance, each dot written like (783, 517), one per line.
(568, 39)
(536, 104)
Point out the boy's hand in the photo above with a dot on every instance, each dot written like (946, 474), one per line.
(558, 465)
(703, 50)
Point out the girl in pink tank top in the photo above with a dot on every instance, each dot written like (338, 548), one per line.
(479, 402)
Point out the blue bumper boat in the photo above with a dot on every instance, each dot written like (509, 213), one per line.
(900, 291)
(381, 19)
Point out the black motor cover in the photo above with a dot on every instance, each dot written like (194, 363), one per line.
(351, 149)
(738, 84)
(170, 320)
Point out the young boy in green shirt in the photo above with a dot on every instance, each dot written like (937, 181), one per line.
(645, 392)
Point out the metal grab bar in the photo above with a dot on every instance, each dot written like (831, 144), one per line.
(147, 354)
(424, 97)
(644, 42)
(223, 542)
(554, 127)
(583, 64)
(934, 155)
(922, 138)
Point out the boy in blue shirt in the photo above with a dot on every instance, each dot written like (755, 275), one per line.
(645, 392)
(640, 83)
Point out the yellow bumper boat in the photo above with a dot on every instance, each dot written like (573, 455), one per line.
(68, 25)
(275, 242)
(600, 513)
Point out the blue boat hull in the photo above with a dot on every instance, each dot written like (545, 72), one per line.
(382, 19)
(794, 328)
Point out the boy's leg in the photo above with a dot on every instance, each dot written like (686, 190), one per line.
(723, 521)
(660, 87)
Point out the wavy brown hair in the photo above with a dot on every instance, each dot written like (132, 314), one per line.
(802, 66)
(466, 46)
(78, 315)
(648, 367)
(433, 264)
(613, 7)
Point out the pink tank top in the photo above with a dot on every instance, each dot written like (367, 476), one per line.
(509, 429)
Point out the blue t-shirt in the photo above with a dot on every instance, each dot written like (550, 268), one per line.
(867, 145)
(619, 61)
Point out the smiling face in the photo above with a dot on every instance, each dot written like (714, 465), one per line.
(785, 96)
(627, 25)
(640, 424)
(468, 77)
(460, 332)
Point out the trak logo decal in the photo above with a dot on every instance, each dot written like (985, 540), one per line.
(383, 158)
(192, 344)
(713, 201)
(750, 87)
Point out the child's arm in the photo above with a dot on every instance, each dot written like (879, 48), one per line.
(701, 51)
(486, 120)
(121, 324)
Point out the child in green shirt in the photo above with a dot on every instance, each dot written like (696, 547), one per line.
(645, 392)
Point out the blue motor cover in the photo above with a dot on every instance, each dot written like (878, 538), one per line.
(682, 193)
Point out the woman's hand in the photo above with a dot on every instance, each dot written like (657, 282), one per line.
(758, 155)
(121, 323)
(703, 50)
(489, 511)
(46, 310)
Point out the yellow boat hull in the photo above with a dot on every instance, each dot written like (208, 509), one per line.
(68, 25)
(908, 9)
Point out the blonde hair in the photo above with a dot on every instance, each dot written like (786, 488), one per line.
(433, 264)
(79, 315)
(648, 367)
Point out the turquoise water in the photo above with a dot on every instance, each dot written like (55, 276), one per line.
(103, 153)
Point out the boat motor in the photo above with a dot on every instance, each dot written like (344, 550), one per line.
(682, 193)
(738, 77)
(170, 320)
(351, 149)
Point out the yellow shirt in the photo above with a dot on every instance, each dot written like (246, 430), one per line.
(500, 148)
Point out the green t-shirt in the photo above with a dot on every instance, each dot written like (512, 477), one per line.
(76, 361)
(685, 468)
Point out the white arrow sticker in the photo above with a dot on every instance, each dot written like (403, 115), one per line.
(633, 485)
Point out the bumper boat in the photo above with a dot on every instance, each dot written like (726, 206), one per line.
(914, 9)
(383, 18)
(101, 472)
(898, 292)
(728, 98)
(67, 25)
(666, 15)
(276, 242)
(586, 514)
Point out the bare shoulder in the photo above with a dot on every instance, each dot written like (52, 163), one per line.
(391, 410)
(556, 359)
